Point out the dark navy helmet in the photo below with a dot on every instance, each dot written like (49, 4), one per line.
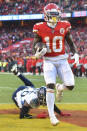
(42, 95)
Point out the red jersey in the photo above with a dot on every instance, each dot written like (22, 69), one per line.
(54, 38)
(85, 61)
(33, 62)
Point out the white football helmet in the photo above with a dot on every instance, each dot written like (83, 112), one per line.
(52, 13)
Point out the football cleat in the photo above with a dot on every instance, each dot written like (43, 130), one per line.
(14, 69)
(26, 116)
(54, 121)
(59, 93)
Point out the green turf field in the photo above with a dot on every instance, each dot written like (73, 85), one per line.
(11, 122)
(9, 82)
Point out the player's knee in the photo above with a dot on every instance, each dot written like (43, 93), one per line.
(51, 86)
(70, 87)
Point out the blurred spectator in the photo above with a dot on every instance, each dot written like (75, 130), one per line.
(20, 64)
(36, 6)
(9, 37)
(39, 65)
(85, 65)
(34, 66)
(11, 61)
(29, 64)
(79, 67)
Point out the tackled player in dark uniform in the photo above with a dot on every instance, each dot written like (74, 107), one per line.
(27, 97)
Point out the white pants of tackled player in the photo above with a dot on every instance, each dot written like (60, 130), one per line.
(60, 68)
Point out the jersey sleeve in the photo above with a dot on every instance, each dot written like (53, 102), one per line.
(36, 29)
(68, 26)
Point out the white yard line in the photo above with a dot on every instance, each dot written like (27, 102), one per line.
(26, 73)
(5, 87)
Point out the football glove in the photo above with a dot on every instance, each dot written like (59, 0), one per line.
(76, 57)
(41, 53)
(38, 47)
(15, 70)
(41, 49)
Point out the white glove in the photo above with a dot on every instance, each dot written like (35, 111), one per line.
(41, 53)
(37, 55)
(76, 57)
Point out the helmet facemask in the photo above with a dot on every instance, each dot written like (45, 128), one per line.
(52, 17)
(52, 13)
(42, 95)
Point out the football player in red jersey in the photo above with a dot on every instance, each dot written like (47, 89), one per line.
(53, 33)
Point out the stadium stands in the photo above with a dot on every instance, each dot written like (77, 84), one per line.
(8, 38)
(36, 6)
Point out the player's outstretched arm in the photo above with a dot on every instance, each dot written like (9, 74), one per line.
(26, 81)
(70, 42)
(72, 46)
(37, 39)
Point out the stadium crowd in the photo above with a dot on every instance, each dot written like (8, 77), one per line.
(22, 55)
(9, 37)
(10, 7)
